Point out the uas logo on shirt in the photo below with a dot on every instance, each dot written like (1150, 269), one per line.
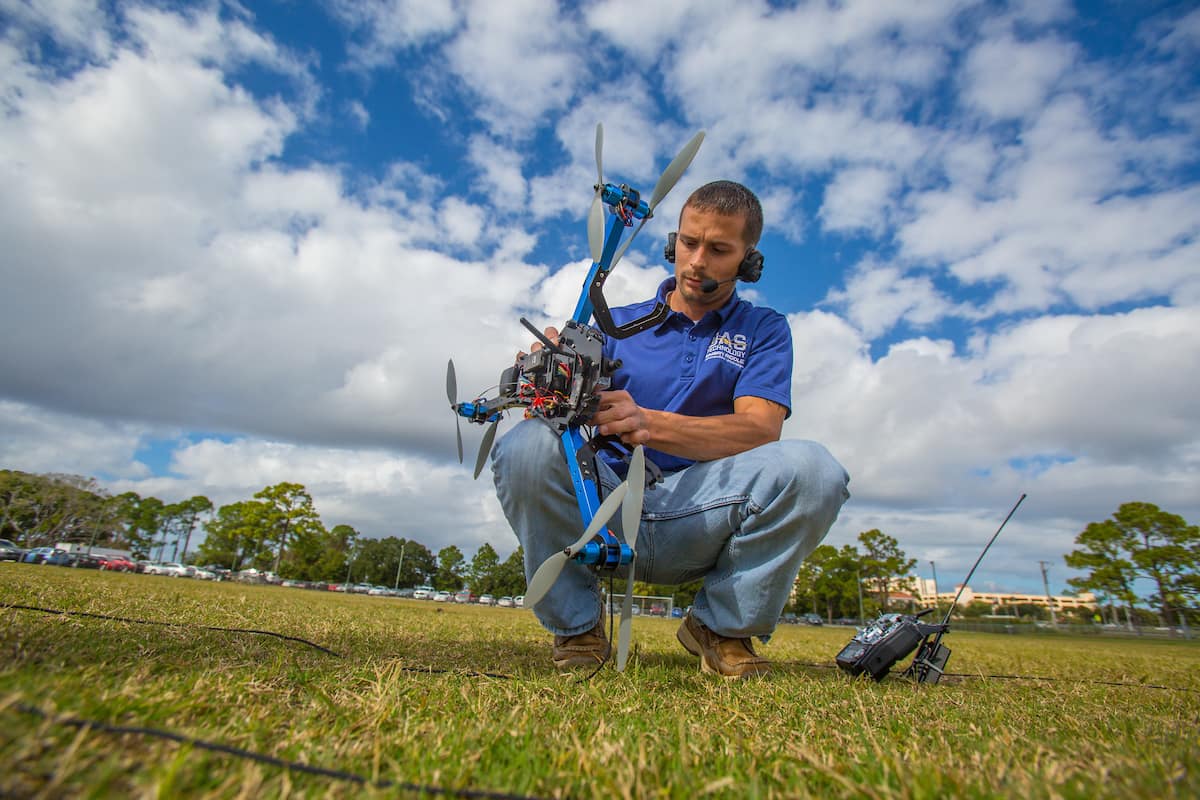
(731, 348)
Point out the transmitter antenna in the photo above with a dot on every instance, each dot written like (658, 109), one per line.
(927, 665)
(967, 580)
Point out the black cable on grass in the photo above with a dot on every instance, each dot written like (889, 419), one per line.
(604, 660)
(980, 675)
(175, 625)
(262, 758)
(466, 673)
(501, 676)
(1088, 681)
(418, 670)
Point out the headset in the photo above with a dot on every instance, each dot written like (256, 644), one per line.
(750, 270)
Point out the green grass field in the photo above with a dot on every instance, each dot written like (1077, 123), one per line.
(406, 701)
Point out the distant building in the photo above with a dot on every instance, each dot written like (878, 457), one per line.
(922, 594)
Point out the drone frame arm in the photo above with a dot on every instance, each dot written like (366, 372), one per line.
(604, 316)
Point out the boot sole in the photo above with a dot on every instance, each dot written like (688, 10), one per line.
(576, 662)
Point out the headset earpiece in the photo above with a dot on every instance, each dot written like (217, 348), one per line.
(751, 267)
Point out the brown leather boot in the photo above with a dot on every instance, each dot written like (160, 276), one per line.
(587, 649)
(721, 655)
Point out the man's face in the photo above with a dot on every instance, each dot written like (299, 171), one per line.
(709, 245)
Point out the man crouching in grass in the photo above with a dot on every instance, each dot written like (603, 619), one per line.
(707, 392)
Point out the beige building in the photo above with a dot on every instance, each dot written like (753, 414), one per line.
(923, 589)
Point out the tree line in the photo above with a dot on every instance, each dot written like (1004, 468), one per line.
(277, 530)
(839, 582)
(1140, 544)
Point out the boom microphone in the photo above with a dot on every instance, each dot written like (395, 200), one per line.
(708, 285)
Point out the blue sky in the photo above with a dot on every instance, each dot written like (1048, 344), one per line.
(243, 239)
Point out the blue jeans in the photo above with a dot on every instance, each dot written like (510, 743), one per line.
(743, 523)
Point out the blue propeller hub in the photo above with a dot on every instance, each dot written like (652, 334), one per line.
(626, 202)
(608, 555)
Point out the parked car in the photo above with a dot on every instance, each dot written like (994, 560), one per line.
(58, 558)
(487, 600)
(465, 596)
(201, 574)
(405, 592)
(118, 564)
(519, 601)
(443, 597)
(38, 555)
(813, 619)
(424, 592)
(85, 561)
(505, 602)
(171, 569)
(677, 613)
(9, 551)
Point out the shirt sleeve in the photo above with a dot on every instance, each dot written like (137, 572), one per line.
(768, 370)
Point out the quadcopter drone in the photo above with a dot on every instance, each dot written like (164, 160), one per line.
(560, 384)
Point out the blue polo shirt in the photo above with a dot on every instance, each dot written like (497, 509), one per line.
(699, 368)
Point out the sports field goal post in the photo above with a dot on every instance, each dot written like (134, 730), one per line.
(645, 604)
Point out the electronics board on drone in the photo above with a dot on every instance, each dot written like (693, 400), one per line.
(560, 384)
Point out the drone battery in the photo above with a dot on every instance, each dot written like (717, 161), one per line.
(878, 657)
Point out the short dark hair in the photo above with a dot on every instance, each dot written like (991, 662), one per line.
(731, 199)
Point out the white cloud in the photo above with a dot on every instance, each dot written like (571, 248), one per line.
(501, 171)
(1009, 78)
(878, 296)
(519, 58)
(858, 199)
(37, 440)
(1067, 220)
(783, 212)
(390, 26)
(462, 221)
(1180, 35)
(251, 297)
(1081, 412)
(80, 24)
(359, 113)
(176, 256)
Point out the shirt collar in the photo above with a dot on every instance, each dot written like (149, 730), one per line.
(668, 286)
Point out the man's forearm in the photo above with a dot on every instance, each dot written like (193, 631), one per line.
(708, 438)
